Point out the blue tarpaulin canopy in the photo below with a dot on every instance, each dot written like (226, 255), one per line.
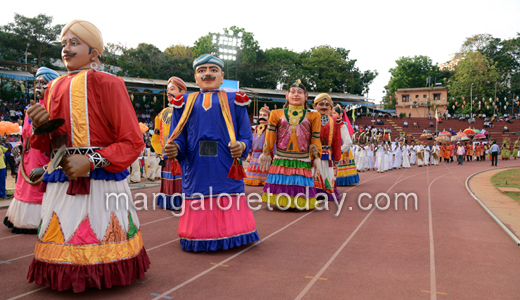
(18, 75)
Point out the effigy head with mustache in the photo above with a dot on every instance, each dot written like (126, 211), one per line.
(81, 45)
(263, 114)
(209, 75)
(43, 77)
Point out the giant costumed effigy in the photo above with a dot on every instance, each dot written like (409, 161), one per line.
(170, 184)
(86, 238)
(296, 132)
(24, 212)
(212, 135)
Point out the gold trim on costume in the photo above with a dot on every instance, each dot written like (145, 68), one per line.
(80, 136)
(88, 254)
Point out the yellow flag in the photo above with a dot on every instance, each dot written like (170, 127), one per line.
(353, 115)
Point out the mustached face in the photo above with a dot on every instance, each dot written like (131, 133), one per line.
(172, 91)
(323, 107)
(76, 54)
(263, 117)
(209, 77)
(40, 85)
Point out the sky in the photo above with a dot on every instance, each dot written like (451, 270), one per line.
(377, 33)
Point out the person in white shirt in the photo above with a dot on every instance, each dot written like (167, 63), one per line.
(426, 151)
(357, 151)
(370, 156)
(406, 152)
(389, 157)
(435, 154)
(413, 154)
(362, 156)
(380, 153)
(398, 155)
(420, 155)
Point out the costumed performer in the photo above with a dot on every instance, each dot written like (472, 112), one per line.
(170, 184)
(255, 176)
(86, 238)
(435, 154)
(398, 152)
(346, 171)
(212, 134)
(515, 149)
(296, 131)
(505, 151)
(24, 212)
(331, 143)
(405, 155)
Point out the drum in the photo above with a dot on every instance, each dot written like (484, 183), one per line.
(420, 155)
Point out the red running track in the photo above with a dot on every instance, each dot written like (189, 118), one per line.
(449, 248)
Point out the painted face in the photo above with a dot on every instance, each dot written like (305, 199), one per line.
(75, 52)
(40, 85)
(263, 117)
(323, 107)
(296, 96)
(335, 114)
(172, 91)
(209, 77)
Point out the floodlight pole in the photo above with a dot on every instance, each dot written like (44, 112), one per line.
(471, 100)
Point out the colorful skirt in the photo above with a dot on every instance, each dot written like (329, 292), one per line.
(23, 217)
(255, 176)
(506, 153)
(346, 172)
(170, 185)
(219, 222)
(88, 239)
(289, 183)
(24, 212)
(327, 184)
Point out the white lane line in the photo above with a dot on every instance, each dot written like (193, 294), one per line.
(8, 237)
(229, 258)
(331, 260)
(157, 220)
(333, 257)
(148, 250)
(433, 280)
(16, 258)
(28, 293)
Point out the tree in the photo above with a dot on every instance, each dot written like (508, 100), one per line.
(180, 52)
(506, 55)
(476, 75)
(476, 42)
(282, 68)
(147, 61)
(412, 72)
(38, 33)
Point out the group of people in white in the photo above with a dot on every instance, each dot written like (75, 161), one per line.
(385, 155)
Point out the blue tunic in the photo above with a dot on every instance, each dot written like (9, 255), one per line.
(202, 172)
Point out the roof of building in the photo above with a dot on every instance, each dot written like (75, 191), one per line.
(423, 89)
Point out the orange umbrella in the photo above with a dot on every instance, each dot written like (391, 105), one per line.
(469, 131)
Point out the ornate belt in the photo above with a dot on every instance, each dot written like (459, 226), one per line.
(326, 147)
(77, 150)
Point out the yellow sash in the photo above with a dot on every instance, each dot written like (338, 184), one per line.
(224, 105)
(80, 136)
(331, 130)
(79, 131)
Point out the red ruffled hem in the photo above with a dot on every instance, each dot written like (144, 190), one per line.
(63, 277)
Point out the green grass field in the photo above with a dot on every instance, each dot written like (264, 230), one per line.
(508, 178)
